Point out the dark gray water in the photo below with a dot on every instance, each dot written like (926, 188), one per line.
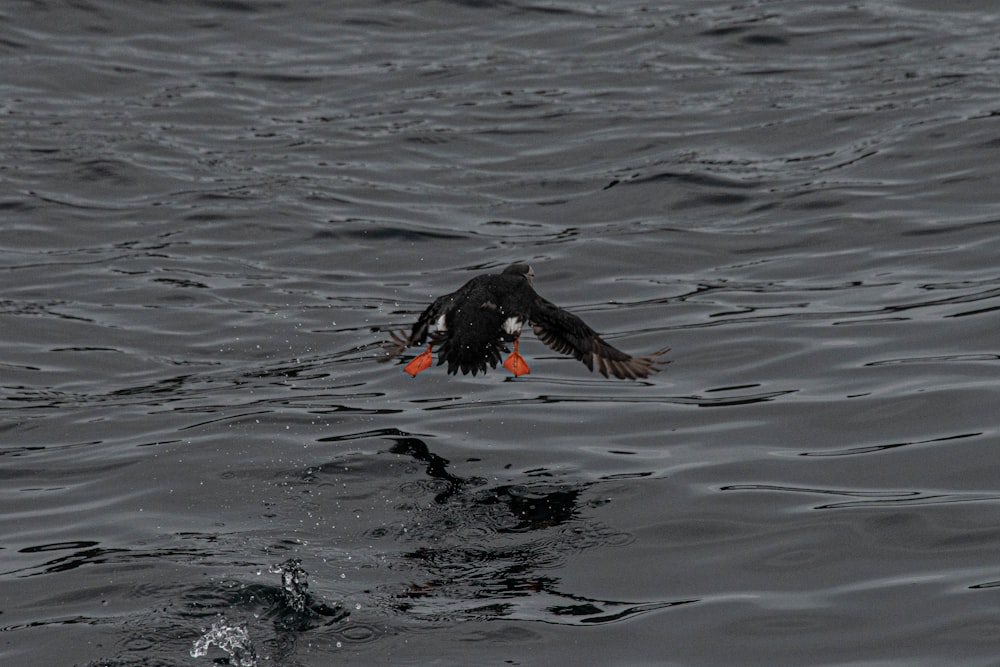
(212, 211)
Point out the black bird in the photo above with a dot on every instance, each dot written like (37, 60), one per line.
(472, 325)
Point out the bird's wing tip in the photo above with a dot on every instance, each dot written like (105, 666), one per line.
(400, 341)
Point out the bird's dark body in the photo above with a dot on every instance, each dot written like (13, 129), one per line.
(488, 311)
(473, 335)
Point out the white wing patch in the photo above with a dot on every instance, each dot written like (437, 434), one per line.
(512, 325)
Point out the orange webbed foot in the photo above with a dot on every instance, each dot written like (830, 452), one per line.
(515, 363)
(420, 362)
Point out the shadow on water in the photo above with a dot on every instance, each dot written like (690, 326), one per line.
(480, 551)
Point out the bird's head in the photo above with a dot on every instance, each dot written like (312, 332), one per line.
(521, 270)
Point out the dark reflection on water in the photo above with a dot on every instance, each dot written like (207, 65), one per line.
(470, 574)
(214, 212)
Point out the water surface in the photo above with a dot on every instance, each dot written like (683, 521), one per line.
(213, 212)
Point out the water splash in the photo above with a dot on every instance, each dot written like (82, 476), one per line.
(293, 583)
(234, 640)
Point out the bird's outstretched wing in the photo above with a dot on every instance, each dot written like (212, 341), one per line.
(566, 333)
(421, 328)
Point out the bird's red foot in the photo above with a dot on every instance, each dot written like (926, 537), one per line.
(420, 362)
(515, 363)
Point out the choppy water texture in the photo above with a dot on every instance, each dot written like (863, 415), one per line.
(212, 212)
